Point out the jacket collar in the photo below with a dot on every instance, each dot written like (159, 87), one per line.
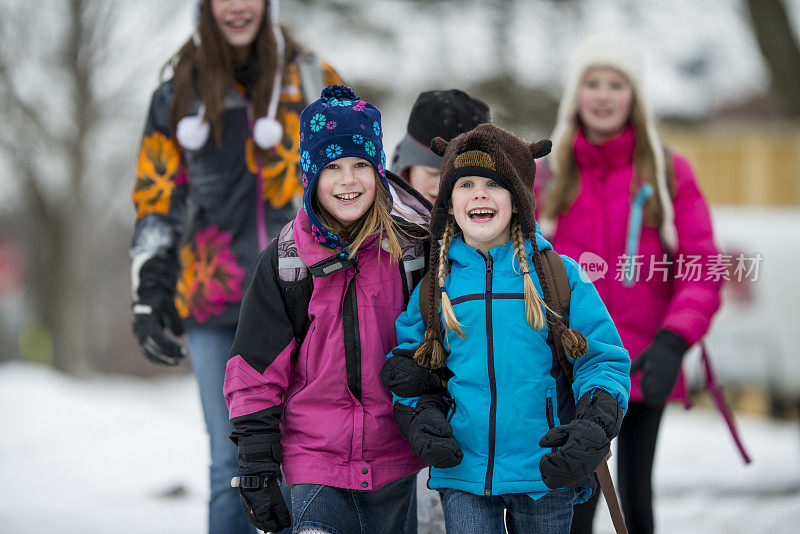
(311, 252)
(462, 253)
(617, 152)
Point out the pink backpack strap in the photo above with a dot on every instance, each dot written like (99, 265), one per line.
(721, 403)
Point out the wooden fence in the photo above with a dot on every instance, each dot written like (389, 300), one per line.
(742, 163)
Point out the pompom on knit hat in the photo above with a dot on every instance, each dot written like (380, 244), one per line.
(612, 49)
(338, 125)
(491, 152)
(444, 114)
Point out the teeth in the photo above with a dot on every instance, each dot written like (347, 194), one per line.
(348, 196)
(239, 24)
(481, 212)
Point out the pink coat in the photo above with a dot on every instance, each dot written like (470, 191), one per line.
(597, 223)
(328, 436)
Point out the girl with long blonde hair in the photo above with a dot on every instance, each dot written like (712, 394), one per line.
(310, 406)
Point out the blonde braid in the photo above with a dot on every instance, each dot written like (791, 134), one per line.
(443, 268)
(533, 303)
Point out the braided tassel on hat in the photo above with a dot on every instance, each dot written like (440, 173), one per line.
(575, 344)
(430, 353)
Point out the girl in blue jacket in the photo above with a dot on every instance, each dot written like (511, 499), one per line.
(508, 432)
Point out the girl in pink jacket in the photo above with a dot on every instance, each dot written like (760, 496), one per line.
(633, 216)
(310, 404)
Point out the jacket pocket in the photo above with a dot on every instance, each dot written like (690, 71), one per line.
(300, 365)
(549, 413)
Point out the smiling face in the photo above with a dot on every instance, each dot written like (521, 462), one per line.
(346, 189)
(604, 103)
(425, 180)
(482, 209)
(238, 22)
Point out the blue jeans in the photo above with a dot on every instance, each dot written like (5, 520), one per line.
(208, 348)
(346, 511)
(476, 514)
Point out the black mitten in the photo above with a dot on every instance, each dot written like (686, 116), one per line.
(584, 442)
(406, 378)
(427, 430)
(154, 312)
(660, 364)
(259, 492)
(599, 407)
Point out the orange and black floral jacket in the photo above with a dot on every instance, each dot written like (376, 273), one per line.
(214, 209)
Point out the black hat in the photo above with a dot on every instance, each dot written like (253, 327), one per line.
(444, 114)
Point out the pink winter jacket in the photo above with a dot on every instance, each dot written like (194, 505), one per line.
(328, 435)
(597, 223)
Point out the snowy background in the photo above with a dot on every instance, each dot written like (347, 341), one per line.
(124, 455)
(110, 453)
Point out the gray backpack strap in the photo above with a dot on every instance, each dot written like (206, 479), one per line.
(412, 260)
(290, 267)
(294, 283)
(311, 81)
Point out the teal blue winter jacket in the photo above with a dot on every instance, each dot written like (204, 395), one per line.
(508, 387)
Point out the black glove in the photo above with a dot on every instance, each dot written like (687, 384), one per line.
(154, 311)
(263, 503)
(661, 364)
(427, 430)
(406, 378)
(151, 317)
(259, 469)
(584, 442)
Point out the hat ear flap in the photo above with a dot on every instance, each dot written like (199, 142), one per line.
(541, 148)
(438, 146)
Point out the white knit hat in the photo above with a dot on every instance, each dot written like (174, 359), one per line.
(612, 49)
(192, 131)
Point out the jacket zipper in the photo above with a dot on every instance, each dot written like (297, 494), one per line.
(551, 423)
(352, 339)
(487, 489)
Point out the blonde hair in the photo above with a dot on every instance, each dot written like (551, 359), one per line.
(563, 188)
(377, 220)
(534, 305)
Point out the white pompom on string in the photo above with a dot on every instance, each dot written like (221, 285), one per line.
(192, 131)
(267, 132)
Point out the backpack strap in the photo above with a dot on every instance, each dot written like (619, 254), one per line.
(558, 284)
(414, 256)
(311, 81)
(294, 283)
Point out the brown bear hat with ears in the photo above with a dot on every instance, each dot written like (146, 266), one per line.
(491, 152)
(494, 153)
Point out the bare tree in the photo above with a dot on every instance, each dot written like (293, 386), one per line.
(65, 94)
(778, 44)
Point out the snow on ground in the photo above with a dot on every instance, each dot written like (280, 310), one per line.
(99, 455)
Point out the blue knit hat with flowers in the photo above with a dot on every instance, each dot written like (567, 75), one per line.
(338, 125)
